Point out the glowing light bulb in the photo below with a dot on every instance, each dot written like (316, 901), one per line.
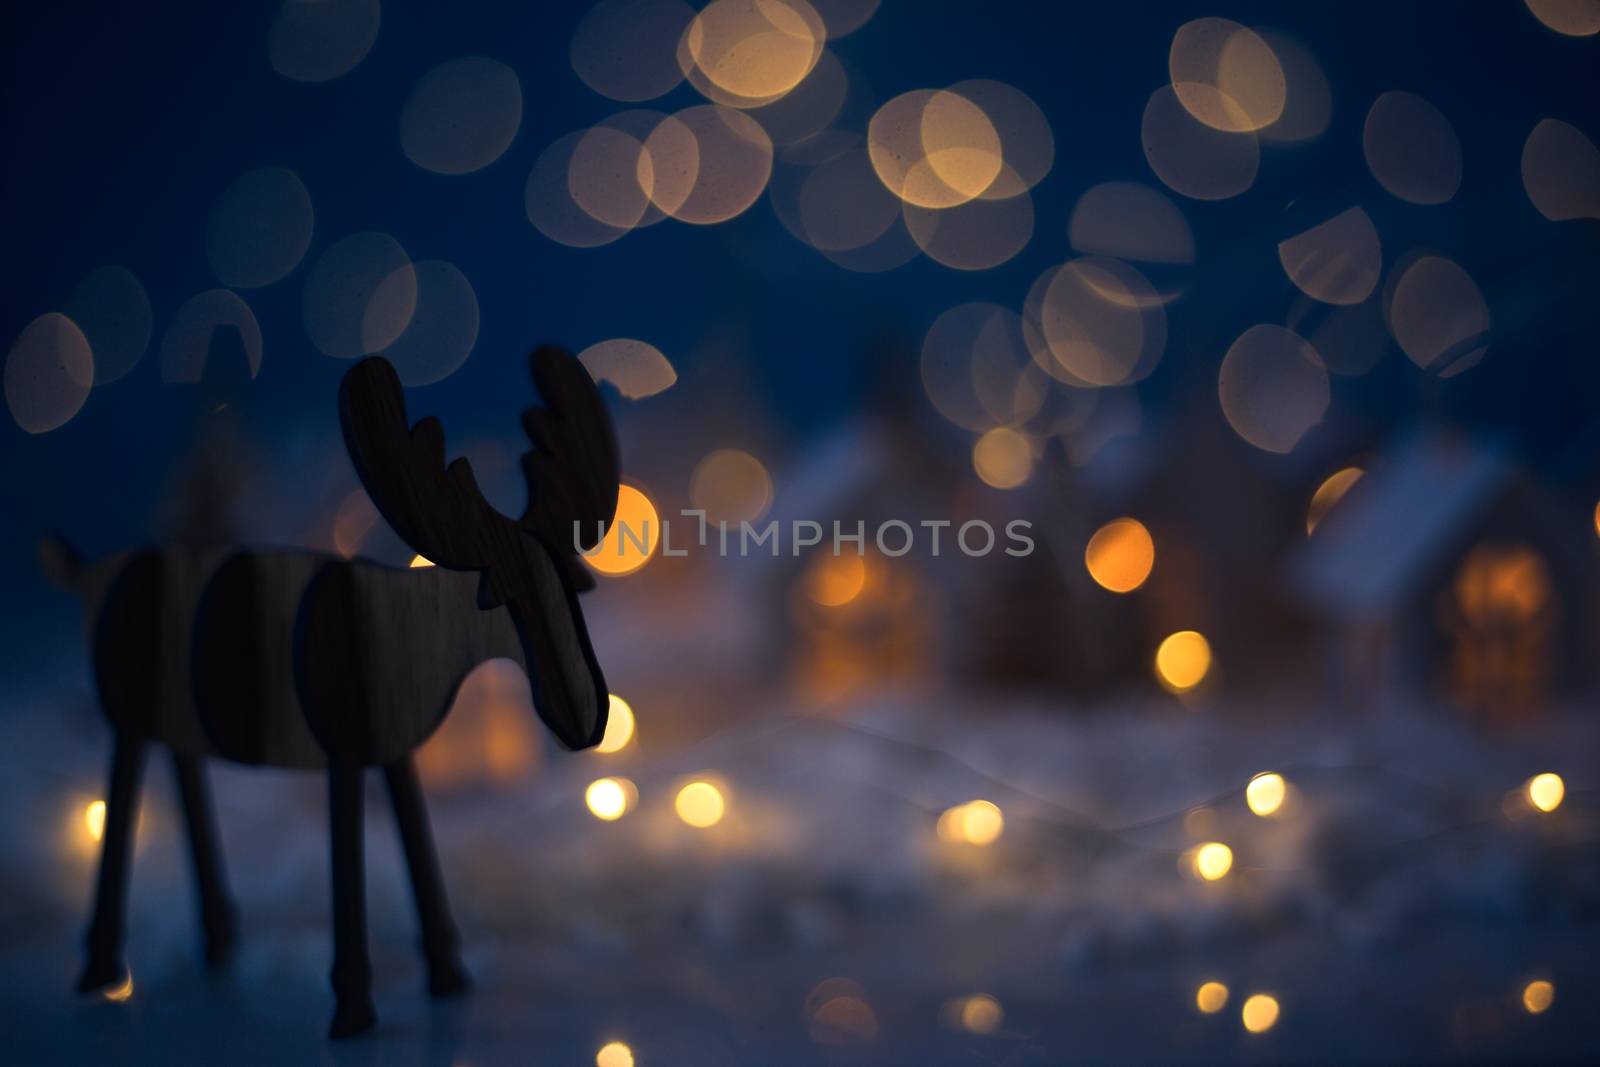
(1538, 995)
(1212, 860)
(1183, 660)
(981, 1014)
(120, 993)
(1260, 1013)
(619, 726)
(1120, 555)
(1265, 793)
(94, 818)
(608, 798)
(614, 1054)
(1546, 791)
(700, 804)
(1211, 997)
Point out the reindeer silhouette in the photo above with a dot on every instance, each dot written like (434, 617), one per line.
(298, 659)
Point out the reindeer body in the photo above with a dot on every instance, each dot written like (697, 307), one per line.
(297, 659)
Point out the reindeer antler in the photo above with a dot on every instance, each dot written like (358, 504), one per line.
(574, 472)
(440, 512)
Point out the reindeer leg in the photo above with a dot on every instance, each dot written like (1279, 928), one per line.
(216, 910)
(352, 969)
(105, 965)
(440, 943)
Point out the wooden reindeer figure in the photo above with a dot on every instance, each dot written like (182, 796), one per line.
(298, 659)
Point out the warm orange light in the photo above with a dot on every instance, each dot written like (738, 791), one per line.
(1260, 1013)
(619, 726)
(419, 560)
(94, 817)
(1329, 493)
(1120, 555)
(981, 1014)
(977, 822)
(609, 798)
(700, 804)
(834, 581)
(631, 536)
(1213, 860)
(122, 992)
(1183, 660)
(1003, 458)
(1546, 791)
(614, 1054)
(1265, 793)
(1538, 995)
(1211, 997)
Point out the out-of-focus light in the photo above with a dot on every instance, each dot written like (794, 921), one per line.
(443, 324)
(725, 156)
(841, 1018)
(419, 560)
(1003, 458)
(700, 804)
(609, 798)
(634, 525)
(614, 1054)
(1438, 316)
(1265, 793)
(637, 369)
(1273, 387)
(834, 581)
(934, 148)
(730, 485)
(977, 822)
(1260, 1013)
(1226, 75)
(1212, 860)
(462, 115)
(1560, 171)
(1120, 555)
(1329, 493)
(1129, 220)
(1211, 997)
(1573, 18)
(1192, 158)
(118, 994)
(1183, 660)
(260, 229)
(1546, 791)
(1412, 149)
(1338, 261)
(749, 52)
(113, 310)
(94, 818)
(619, 726)
(318, 40)
(621, 48)
(49, 372)
(1538, 995)
(339, 306)
(981, 1014)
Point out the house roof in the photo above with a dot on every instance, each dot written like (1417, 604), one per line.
(1385, 536)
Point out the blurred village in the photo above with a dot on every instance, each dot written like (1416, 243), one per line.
(1278, 746)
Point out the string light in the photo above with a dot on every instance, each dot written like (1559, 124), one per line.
(1211, 997)
(1260, 1013)
(700, 804)
(619, 726)
(1183, 660)
(609, 798)
(1546, 791)
(614, 1054)
(1265, 793)
(1538, 995)
(94, 817)
(1212, 860)
(977, 822)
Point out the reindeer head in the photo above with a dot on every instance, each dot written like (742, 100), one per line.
(441, 513)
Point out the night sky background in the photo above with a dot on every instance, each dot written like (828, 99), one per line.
(124, 124)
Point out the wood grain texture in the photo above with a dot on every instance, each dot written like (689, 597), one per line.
(440, 512)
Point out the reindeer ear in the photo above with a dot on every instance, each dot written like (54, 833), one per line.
(574, 472)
